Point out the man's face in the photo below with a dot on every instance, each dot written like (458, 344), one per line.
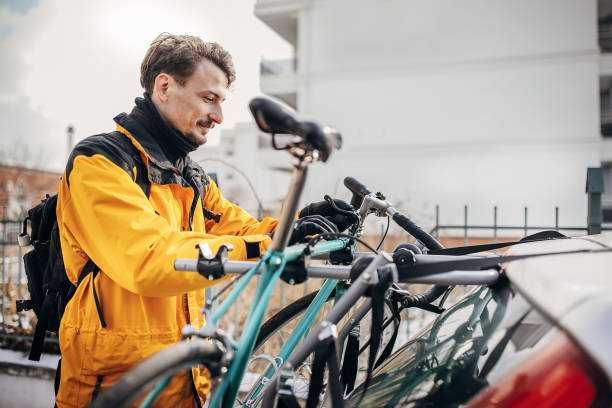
(195, 108)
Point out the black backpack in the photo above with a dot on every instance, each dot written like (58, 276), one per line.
(49, 286)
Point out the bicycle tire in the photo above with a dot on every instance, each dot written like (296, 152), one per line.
(142, 377)
(285, 316)
(270, 337)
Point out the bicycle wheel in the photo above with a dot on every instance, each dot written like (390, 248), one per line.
(272, 336)
(286, 318)
(276, 330)
(159, 366)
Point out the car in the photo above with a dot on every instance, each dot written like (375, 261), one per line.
(539, 337)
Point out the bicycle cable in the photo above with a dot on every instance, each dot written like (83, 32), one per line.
(226, 287)
(385, 234)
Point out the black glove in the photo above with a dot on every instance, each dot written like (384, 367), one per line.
(342, 215)
(310, 225)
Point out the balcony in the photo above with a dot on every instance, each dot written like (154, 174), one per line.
(276, 67)
(605, 37)
(279, 78)
(281, 16)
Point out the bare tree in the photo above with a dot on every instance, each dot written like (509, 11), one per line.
(17, 153)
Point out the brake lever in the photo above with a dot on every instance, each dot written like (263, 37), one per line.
(339, 210)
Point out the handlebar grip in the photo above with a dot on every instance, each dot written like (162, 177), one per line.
(359, 191)
(416, 231)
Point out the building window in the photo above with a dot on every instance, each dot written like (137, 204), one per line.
(606, 199)
(605, 103)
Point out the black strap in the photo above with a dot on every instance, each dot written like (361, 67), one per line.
(91, 267)
(377, 293)
(287, 401)
(95, 294)
(96, 390)
(351, 359)
(473, 249)
(325, 354)
(41, 328)
(389, 347)
(58, 375)
(49, 306)
(252, 249)
(475, 264)
(378, 309)
(194, 390)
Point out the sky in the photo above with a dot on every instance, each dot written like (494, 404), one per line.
(74, 62)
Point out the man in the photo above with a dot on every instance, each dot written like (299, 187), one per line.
(130, 203)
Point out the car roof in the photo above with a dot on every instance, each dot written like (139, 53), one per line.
(559, 283)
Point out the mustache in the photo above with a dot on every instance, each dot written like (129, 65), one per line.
(205, 123)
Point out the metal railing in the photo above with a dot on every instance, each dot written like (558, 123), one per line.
(17, 326)
(495, 227)
(13, 326)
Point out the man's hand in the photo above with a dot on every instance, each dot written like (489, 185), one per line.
(310, 225)
(337, 211)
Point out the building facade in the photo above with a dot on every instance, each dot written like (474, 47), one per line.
(22, 188)
(480, 103)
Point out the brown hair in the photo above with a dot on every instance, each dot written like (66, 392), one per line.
(178, 55)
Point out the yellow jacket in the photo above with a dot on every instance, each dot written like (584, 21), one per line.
(104, 214)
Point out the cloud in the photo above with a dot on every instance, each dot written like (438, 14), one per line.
(19, 6)
(26, 139)
(82, 67)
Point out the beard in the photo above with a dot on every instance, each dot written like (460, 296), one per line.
(197, 137)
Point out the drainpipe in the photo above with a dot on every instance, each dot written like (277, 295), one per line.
(594, 190)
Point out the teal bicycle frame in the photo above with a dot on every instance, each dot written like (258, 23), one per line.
(272, 264)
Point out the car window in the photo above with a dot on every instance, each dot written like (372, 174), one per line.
(471, 344)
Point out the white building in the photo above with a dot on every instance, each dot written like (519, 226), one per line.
(478, 103)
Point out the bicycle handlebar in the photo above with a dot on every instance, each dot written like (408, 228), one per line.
(359, 191)
(416, 231)
(342, 272)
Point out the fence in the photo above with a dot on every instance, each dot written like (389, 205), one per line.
(495, 227)
(15, 328)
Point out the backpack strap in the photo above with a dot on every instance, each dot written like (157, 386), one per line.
(38, 340)
(142, 176)
(49, 306)
(91, 267)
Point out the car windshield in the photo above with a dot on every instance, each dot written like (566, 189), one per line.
(467, 347)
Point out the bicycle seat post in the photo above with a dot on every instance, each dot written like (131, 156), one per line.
(283, 231)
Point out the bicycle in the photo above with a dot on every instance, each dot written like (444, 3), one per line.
(227, 359)
(314, 143)
(310, 305)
